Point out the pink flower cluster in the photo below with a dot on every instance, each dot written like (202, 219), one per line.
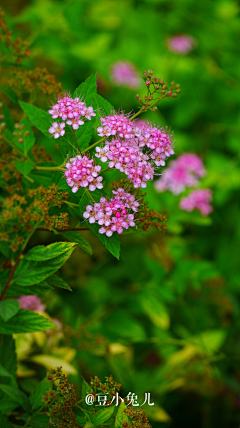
(113, 215)
(80, 172)
(181, 44)
(32, 303)
(123, 73)
(136, 148)
(198, 199)
(181, 173)
(73, 111)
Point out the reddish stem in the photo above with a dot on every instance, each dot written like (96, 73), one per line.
(64, 230)
(10, 276)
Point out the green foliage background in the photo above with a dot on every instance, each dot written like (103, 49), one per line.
(165, 318)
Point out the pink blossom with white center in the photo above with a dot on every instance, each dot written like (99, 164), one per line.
(113, 215)
(80, 172)
(31, 303)
(57, 129)
(181, 44)
(115, 124)
(183, 172)
(72, 110)
(198, 199)
(124, 73)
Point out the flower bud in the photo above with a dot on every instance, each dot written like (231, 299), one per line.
(20, 140)
(137, 96)
(27, 133)
(169, 94)
(148, 83)
(143, 108)
(154, 108)
(15, 134)
(16, 126)
(178, 91)
(1, 104)
(150, 71)
(177, 86)
(1, 117)
(174, 95)
(165, 86)
(173, 83)
(156, 87)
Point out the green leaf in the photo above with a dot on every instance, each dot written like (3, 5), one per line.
(36, 398)
(112, 243)
(56, 281)
(24, 167)
(80, 420)
(31, 272)
(16, 395)
(87, 89)
(41, 252)
(10, 94)
(39, 118)
(86, 389)
(155, 310)
(8, 118)
(28, 140)
(102, 107)
(4, 372)
(82, 242)
(121, 416)
(8, 358)
(102, 416)
(38, 421)
(4, 423)
(8, 308)
(84, 135)
(26, 322)
(16, 290)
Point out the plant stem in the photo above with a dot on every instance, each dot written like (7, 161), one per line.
(14, 147)
(74, 134)
(71, 204)
(93, 145)
(33, 416)
(107, 169)
(48, 168)
(64, 230)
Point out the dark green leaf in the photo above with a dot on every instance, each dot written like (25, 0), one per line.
(8, 358)
(84, 135)
(39, 118)
(36, 398)
(4, 423)
(76, 237)
(24, 167)
(28, 140)
(56, 281)
(102, 416)
(8, 308)
(25, 322)
(16, 290)
(4, 372)
(87, 89)
(16, 395)
(86, 389)
(10, 94)
(8, 118)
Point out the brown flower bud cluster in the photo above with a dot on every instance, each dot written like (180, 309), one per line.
(37, 80)
(9, 176)
(61, 400)
(16, 49)
(145, 217)
(157, 90)
(22, 214)
(110, 387)
(19, 132)
(138, 418)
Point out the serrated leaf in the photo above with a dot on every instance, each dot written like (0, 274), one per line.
(102, 416)
(8, 308)
(4, 423)
(24, 167)
(87, 89)
(36, 398)
(80, 420)
(79, 239)
(39, 118)
(31, 272)
(85, 390)
(56, 281)
(16, 395)
(28, 140)
(39, 421)
(121, 416)
(102, 108)
(42, 252)
(8, 357)
(84, 135)
(26, 322)
(10, 94)
(16, 290)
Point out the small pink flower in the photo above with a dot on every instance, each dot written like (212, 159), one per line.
(198, 199)
(123, 73)
(181, 44)
(148, 83)
(80, 172)
(57, 129)
(32, 303)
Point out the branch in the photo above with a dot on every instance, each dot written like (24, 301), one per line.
(64, 230)
(11, 275)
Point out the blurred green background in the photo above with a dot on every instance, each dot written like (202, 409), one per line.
(166, 318)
